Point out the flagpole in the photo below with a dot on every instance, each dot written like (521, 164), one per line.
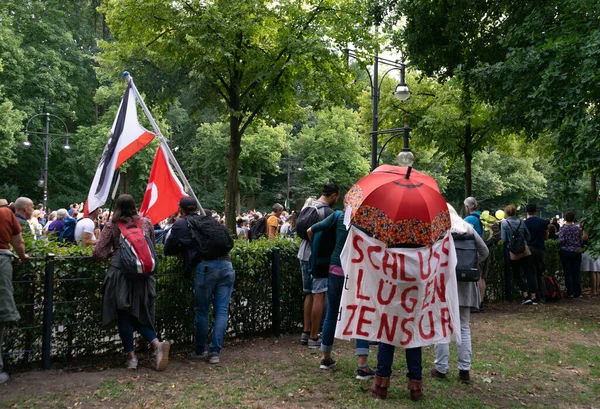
(116, 181)
(163, 141)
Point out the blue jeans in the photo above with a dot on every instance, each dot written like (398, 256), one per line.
(571, 262)
(213, 284)
(385, 359)
(335, 286)
(127, 323)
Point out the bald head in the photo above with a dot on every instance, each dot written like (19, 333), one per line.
(24, 207)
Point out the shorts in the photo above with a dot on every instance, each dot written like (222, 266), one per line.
(310, 284)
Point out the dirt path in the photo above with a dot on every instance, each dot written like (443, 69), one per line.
(548, 355)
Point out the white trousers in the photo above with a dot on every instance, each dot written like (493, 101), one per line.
(442, 351)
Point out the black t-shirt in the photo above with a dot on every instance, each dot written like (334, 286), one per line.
(537, 228)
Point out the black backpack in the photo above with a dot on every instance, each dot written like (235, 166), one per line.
(516, 244)
(212, 239)
(467, 263)
(311, 214)
(259, 229)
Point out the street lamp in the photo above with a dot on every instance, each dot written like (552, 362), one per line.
(43, 182)
(402, 93)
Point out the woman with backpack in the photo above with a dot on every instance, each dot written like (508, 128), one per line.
(130, 302)
(515, 236)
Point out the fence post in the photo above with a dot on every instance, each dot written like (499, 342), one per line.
(507, 274)
(276, 292)
(48, 306)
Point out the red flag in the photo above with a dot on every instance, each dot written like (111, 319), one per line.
(163, 192)
(126, 138)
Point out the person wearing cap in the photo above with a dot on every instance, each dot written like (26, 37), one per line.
(213, 282)
(473, 215)
(538, 230)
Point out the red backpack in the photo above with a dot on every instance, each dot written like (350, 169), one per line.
(553, 292)
(138, 256)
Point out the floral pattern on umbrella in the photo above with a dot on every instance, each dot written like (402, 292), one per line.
(407, 231)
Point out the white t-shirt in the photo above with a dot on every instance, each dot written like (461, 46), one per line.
(85, 225)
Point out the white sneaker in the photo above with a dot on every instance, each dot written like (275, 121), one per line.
(161, 355)
(131, 363)
(3, 377)
(213, 358)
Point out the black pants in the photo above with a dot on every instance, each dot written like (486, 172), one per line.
(538, 267)
(571, 262)
(524, 264)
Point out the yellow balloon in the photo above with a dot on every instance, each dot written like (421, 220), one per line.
(500, 214)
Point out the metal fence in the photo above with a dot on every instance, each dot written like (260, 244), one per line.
(59, 299)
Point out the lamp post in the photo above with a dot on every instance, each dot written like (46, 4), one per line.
(43, 182)
(402, 93)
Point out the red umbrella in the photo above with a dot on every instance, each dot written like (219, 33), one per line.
(396, 209)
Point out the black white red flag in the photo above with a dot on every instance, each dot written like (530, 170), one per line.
(127, 137)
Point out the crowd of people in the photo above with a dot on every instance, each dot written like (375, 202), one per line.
(131, 303)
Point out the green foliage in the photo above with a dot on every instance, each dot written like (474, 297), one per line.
(331, 150)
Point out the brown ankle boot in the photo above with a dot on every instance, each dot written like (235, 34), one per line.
(380, 387)
(415, 388)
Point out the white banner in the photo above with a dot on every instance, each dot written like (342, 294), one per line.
(400, 296)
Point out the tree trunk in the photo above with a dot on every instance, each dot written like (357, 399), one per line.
(468, 151)
(232, 187)
(593, 187)
(468, 146)
(124, 184)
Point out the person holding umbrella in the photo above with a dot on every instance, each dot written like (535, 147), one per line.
(403, 209)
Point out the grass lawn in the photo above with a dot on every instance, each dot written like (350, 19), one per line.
(534, 356)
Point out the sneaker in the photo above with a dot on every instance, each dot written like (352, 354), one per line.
(526, 300)
(203, 356)
(327, 363)
(437, 374)
(213, 358)
(464, 377)
(304, 338)
(161, 355)
(365, 374)
(534, 301)
(131, 363)
(314, 343)
(3, 377)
